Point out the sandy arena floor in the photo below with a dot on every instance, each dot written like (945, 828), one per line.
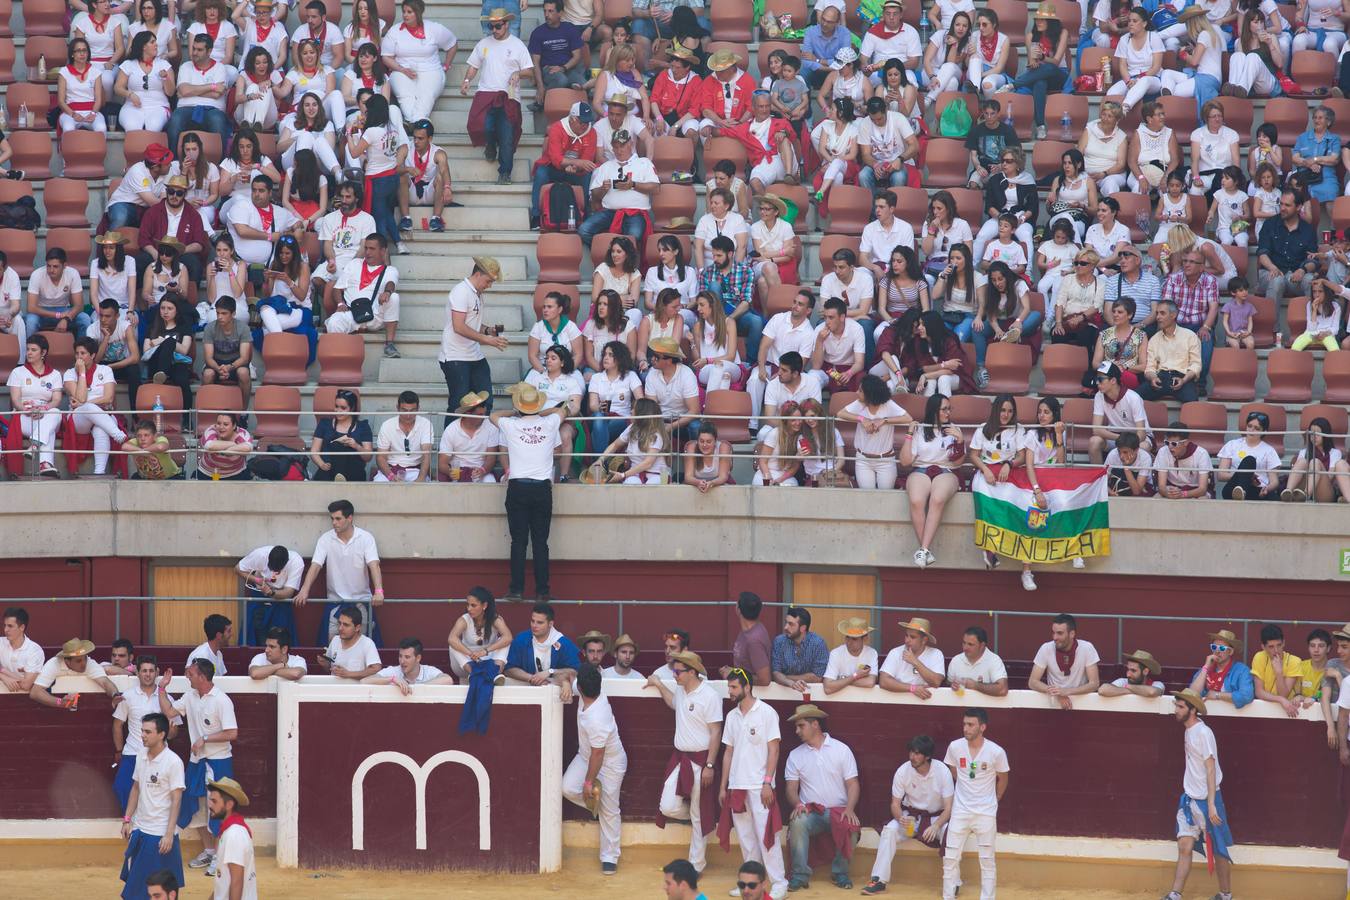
(89, 870)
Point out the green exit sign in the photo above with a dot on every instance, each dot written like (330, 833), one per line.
(1345, 562)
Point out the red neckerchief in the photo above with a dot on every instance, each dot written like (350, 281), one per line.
(318, 38)
(1064, 658)
(1047, 50)
(988, 46)
(1214, 677)
(262, 35)
(89, 377)
(212, 30)
(1120, 392)
(1190, 450)
(368, 275)
(100, 27)
(420, 163)
(256, 80)
(200, 70)
(78, 73)
(308, 74)
(42, 374)
(265, 216)
(881, 31)
(235, 819)
(420, 32)
(368, 81)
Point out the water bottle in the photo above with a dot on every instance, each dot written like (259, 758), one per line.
(4, 119)
(42, 67)
(158, 410)
(572, 219)
(23, 115)
(1007, 114)
(1065, 127)
(925, 28)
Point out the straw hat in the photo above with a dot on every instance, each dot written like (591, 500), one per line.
(666, 347)
(470, 400)
(1342, 633)
(845, 56)
(625, 641)
(808, 711)
(498, 15)
(258, 3)
(171, 242)
(855, 626)
(76, 647)
(690, 659)
(1145, 659)
(1228, 638)
(1190, 12)
(1191, 699)
(923, 626)
(721, 61)
(526, 398)
(1046, 10)
(775, 201)
(111, 238)
(232, 788)
(489, 265)
(595, 635)
(596, 473)
(177, 181)
(679, 222)
(680, 51)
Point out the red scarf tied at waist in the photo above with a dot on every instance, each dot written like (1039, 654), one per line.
(838, 840)
(1064, 658)
(738, 801)
(483, 101)
(690, 765)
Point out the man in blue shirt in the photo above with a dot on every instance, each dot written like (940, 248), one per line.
(1285, 255)
(543, 654)
(821, 42)
(800, 656)
(1224, 677)
(556, 48)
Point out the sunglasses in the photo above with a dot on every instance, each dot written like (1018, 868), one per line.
(496, 25)
(747, 885)
(1081, 263)
(1009, 160)
(1128, 255)
(1217, 648)
(678, 671)
(176, 192)
(1174, 442)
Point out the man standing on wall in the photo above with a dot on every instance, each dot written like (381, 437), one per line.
(980, 769)
(593, 778)
(687, 792)
(747, 794)
(152, 809)
(353, 570)
(1202, 822)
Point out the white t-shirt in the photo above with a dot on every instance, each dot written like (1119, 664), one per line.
(905, 673)
(771, 242)
(346, 233)
(100, 387)
(1104, 242)
(1084, 656)
(1214, 148)
(1143, 463)
(189, 74)
(495, 60)
(164, 32)
(1184, 473)
(349, 281)
(1012, 253)
(424, 54)
(641, 171)
(134, 707)
(101, 42)
(425, 673)
(877, 242)
(988, 669)
(273, 43)
(227, 31)
(932, 452)
(1138, 61)
(887, 141)
(25, 660)
(288, 577)
(708, 227)
(1125, 682)
(315, 83)
(636, 455)
(975, 776)
(560, 389)
(204, 651)
(137, 180)
(467, 450)
(1200, 746)
(1126, 414)
(673, 395)
(236, 846)
(207, 715)
(329, 34)
(56, 667)
(695, 711)
(1001, 448)
(529, 442)
(613, 672)
(842, 665)
(659, 278)
(924, 792)
(883, 441)
(619, 391)
(840, 348)
(788, 337)
(822, 772)
(596, 728)
(348, 576)
(382, 153)
(455, 348)
(749, 734)
(58, 295)
(149, 86)
(252, 249)
(1267, 458)
(904, 44)
(392, 437)
(1211, 63)
(158, 778)
(776, 394)
(359, 656)
(860, 286)
(292, 662)
(565, 336)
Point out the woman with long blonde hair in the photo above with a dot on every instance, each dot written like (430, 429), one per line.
(717, 359)
(644, 444)
(778, 455)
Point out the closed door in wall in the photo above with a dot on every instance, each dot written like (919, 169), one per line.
(180, 621)
(832, 597)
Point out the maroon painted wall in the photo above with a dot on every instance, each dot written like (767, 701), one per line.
(336, 737)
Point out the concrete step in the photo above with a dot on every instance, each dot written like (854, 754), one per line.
(505, 371)
(430, 316)
(429, 264)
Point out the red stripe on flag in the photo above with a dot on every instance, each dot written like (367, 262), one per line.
(1058, 479)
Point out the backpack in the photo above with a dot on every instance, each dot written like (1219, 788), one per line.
(21, 214)
(562, 206)
(279, 468)
(955, 120)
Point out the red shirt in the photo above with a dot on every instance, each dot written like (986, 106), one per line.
(679, 99)
(560, 146)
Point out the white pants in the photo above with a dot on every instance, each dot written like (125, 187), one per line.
(611, 779)
(945, 385)
(273, 322)
(1143, 85)
(675, 807)
(771, 171)
(1179, 84)
(100, 123)
(1111, 184)
(417, 95)
(889, 840)
(45, 425)
(754, 386)
(1248, 71)
(1047, 286)
(985, 829)
(412, 474)
(1332, 43)
(719, 376)
(1172, 35)
(262, 109)
(948, 76)
(750, 827)
(893, 380)
(459, 662)
(1226, 236)
(341, 322)
(875, 474)
(308, 140)
(143, 118)
(989, 231)
(758, 481)
(90, 417)
(834, 174)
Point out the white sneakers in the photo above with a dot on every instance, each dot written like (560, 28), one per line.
(1078, 563)
(923, 558)
(1028, 580)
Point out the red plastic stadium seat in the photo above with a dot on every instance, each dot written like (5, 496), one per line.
(170, 397)
(671, 154)
(37, 97)
(720, 148)
(1263, 323)
(67, 203)
(650, 257)
(1047, 157)
(215, 398)
(731, 20)
(780, 299)
(1312, 69)
(325, 394)
(850, 209)
(946, 98)
(1234, 374)
(211, 145)
(911, 205)
(1180, 116)
(1336, 416)
(37, 46)
(46, 17)
(672, 201)
(1131, 205)
(1239, 113)
(729, 403)
(340, 359)
(832, 242)
(559, 257)
(82, 154)
(838, 400)
(794, 8)
(558, 103)
(276, 409)
(1077, 411)
(6, 13)
(1094, 60)
(577, 197)
(948, 162)
(1290, 373)
(8, 55)
(1340, 213)
(970, 412)
(1336, 376)
(1012, 21)
(578, 309)
(1278, 421)
(1207, 422)
(11, 190)
(1009, 367)
(1021, 105)
(60, 349)
(285, 358)
(793, 195)
(78, 244)
(1288, 114)
(1055, 107)
(21, 248)
(10, 353)
(1063, 366)
(133, 146)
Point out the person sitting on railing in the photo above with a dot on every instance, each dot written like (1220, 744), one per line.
(542, 654)
(410, 670)
(932, 450)
(1139, 667)
(1224, 676)
(149, 451)
(1064, 666)
(224, 450)
(350, 653)
(1319, 471)
(21, 657)
(917, 664)
(800, 656)
(1183, 466)
(478, 634)
(414, 433)
(1249, 464)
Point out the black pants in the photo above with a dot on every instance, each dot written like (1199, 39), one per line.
(529, 513)
(1171, 387)
(131, 377)
(464, 377)
(175, 373)
(1244, 476)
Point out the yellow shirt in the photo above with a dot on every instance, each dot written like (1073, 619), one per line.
(1265, 674)
(1310, 680)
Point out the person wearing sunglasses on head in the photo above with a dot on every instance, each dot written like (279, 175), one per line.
(1249, 464)
(1224, 676)
(342, 443)
(749, 799)
(1184, 468)
(404, 444)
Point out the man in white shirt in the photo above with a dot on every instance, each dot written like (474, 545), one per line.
(1183, 468)
(317, 28)
(915, 666)
(621, 187)
(277, 659)
(625, 653)
(461, 358)
(141, 701)
(720, 221)
(838, 359)
(218, 629)
(20, 656)
(882, 235)
(792, 383)
(350, 654)
(980, 769)
(676, 640)
(403, 447)
(854, 662)
(921, 807)
(141, 187)
(235, 875)
(1202, 821)
(55, 297)
(822, 787)
(202, 85)
(675, 386)
(503, 61)
(888, 144)
(271, 580)
(752, 742)
(409, 671)
(622, 113)
(976, 667)
(212, 728)
(786, 332)
(368, 278)
(257, 226)
(1140, 666)
(595, 775)
(354, 575)
(73, 661)
(892, 38)
(688, 791)
(1115, 408)
(342, 234)
(470, 444)
(530, 433)
(153, 806)
(1064, 666)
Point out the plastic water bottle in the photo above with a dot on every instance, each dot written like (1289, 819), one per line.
(572, 219)
(42, 67)
(4, 118)
(158, 410)
(925, 28)
(1007, 114)
(1065, 127)
(23, 115)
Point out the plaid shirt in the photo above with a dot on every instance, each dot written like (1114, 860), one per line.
(735, 286)
(1193, 301)
(811, 656)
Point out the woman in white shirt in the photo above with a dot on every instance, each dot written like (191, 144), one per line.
(1248, 465)
(717, 359)
(365, 27)
(241, 165)
(666, 320)
(480, 634)
(1323, 26)
(145, 80)
(1103, 145)
(105, 34)
(113, 275)
(368, 72)
(1258, 53)
(1106, 233)
(1138, 61)
(992, 52)
(412, 53)
(227, 275)
(203, 178)
(951, 56)
(607, 323)
(92, 389)
(308, 129)
(554, 328)
(1054, 260)
(563, 386)
(1323, 319)
(874, 440)
(79, 91)
(671, 272)
(1214, 147)
(844, 81)
(779, 449)
(618, 273)
(213, 20)
(613, 391)
(644, 443)
(620, 78)
(707, 460)
(942, 231)
(836, 143)
(35, 391)
(1203, 57)
(776, 245)
(313, 77)
(1153, 151)
(258, 89)
(150, 16)
(373, 139)
(1073, 194)
(932, 450)
(998, 447)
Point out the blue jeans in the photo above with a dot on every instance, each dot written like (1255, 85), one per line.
(750, 325)
(647, 27)
(867, 177)
(501, 135)
(547, 174)
(36, 323)
(490, 5)
(1206, 352)
(383, 202)
(800, 831)
(604, 431)
(1029, 326)
(198, 118)
(962, 327)
(463, 377)
(121, 215)
(599, 221)
(1039, 82)
(1206, 89)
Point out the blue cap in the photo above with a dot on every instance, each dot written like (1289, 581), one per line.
(582, 110)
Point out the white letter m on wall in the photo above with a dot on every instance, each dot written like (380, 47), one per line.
(420, 774)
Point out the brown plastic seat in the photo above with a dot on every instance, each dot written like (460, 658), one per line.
(1336, 376)
(1312, 69)
(1131, 205)
(211, 145)
(838, 400)
(340, 359)
(267, 146)
(11, 190)
(46, 17)
(672, 153)
(1022, 109)
(1063, 366)
(133, 146)
(78, 244)
(969, 204)
(276, 410)
(1290, 373)
(780, 299)
(970, 411)
(830, 243)
(1288, 114)
(794, 8)
(211, 399)
(737, 47)
(911, 205)
(1055, 107)
(579, 307)
(672, 201)
(1241, 258)
(38, 46)
(1234, 374)
(1279, 420)
(325, 394)
(1208, 423)
(559, 257)
(1239, 113)
(82, 154)
(1263, 323)
(578, 198)
(795, 194)
(558, 103)
(947, 162)
(8, 56)
(38, 98)
(285, 358)
(735, 430)
(1012, 21)
(731, 20)
(1157, 415)
(67, 203)
(1009, 367)
(767, 47)
(1336, 416)
(946, 98)
(600, 245)
(170, 397)
(850, 209)
(1341, 107)
(1180, 116)
(719, 148)
(649, 255)
(21, 248)
(1047, 157)
(60, 349)
(6, 13)
(1077, 412)
(10, 353)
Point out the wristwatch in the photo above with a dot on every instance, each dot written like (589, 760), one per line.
(709, 765)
